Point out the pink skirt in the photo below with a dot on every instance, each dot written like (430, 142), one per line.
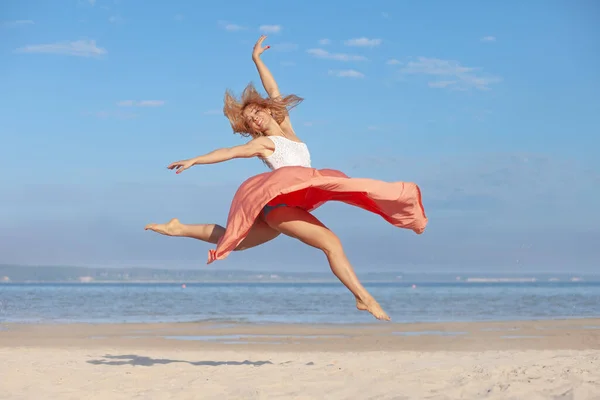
(399, 203)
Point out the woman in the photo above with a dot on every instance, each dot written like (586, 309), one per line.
(280, 201)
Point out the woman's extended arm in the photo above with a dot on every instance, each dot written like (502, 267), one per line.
(268, 81)
(255, 148)
(265, 75)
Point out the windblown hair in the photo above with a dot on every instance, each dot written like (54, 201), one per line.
(233, 109)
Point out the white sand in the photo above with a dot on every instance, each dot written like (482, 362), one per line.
(71, 362)
(108, 373)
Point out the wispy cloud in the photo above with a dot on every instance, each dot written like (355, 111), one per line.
(141, 103)
(324, 42)
(233, 27)
(85, 3)
(488, 39)
(228, 26)
(347, 73)
(151, 103)
(393, 61)
(284, 47)
(178, 17)
(385, 15)
(363, 42)
(461, 77)
(441, 84)
(270, 28)
(116, 19)
(111, 114)
(79, 48)
(19, 22)
(320, 53)
(479, 115)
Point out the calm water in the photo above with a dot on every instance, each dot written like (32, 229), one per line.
(294, 303)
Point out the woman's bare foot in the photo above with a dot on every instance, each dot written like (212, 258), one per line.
(171, 228)
(373, 307)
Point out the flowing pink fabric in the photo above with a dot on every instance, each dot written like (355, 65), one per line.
(399, 203)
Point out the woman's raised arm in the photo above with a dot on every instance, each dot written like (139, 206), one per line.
(265, 75)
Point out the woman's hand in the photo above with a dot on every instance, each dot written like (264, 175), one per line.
(181, 166)
(258, 49)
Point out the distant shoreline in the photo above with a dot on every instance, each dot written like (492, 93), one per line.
(144, 275)
(316, 281)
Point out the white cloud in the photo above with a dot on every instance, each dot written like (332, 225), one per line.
(19, 22)
(116, 19)
(385, 15)
(91, 3)
(270, 28)
(441, 84)
(80, 48)
(111, 114)
(324, 42)
(178, 17)
(347, 73)
(284, 46)
(231, 27)
(141, 103)
(151, 103)
(393, 61)
(488, 39)
(320, 53)
(462, 77)
(363, 42)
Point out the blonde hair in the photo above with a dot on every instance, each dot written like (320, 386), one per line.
(233, 109)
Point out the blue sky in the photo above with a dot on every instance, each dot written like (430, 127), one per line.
(490, 107)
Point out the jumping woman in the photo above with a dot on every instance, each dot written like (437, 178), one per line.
(281, 200)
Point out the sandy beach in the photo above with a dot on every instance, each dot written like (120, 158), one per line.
(486, 360)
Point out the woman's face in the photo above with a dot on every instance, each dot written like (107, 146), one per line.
(257, 118)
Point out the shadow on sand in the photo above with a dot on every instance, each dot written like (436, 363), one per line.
(132, 359)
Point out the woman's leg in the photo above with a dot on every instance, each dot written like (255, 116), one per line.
(259, 233)
(302, 225)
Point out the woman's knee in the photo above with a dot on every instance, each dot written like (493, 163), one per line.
(330, 244)
(259, 233)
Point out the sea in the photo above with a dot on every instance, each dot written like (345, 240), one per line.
(294, 303)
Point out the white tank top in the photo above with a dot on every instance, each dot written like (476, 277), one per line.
(287, 153)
